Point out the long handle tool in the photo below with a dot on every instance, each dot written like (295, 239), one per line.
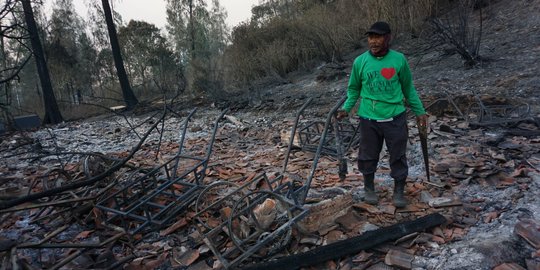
(422, 132)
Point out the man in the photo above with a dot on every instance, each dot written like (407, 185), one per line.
(382, 79)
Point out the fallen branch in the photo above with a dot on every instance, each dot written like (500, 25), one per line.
(352, 245)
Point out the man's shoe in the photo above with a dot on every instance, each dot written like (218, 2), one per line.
(399, 193)
(369, 188)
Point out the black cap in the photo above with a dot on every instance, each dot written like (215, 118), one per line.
(380, 28)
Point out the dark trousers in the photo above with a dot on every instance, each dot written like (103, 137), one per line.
(395, 134)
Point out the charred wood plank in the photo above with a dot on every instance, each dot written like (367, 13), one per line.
(352, 245)
(6, 245)
(522, 132)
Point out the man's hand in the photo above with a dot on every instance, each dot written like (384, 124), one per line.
(422, 123)
(340, 114)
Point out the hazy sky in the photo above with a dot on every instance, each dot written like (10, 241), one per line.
(153, 11)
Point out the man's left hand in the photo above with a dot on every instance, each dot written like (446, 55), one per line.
(422, 122)
(341, 114)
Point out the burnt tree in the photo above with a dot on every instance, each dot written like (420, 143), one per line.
(52, 112)
(127, 92)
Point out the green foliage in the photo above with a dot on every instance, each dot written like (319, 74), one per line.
(200, 56)
(13, 56)
(268, 50)
(287, 35)
(19, 81)
(199, 36)
(62, 51)
(147, 59)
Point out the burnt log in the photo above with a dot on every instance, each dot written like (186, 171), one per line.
(522, 132)
(352, 245)
(6, 245)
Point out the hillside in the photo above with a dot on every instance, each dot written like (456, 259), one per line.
(509, 49)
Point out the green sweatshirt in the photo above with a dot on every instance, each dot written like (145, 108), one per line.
(382, 83)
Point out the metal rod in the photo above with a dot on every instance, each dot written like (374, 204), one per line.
(293, 133)
(40, 245)
(55, 203)
(307, 185)
(182, 139)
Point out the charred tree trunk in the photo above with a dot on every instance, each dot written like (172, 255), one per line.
(191, 26)
(127, 92)
(52, 112)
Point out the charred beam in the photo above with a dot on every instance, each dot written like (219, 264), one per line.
(6, 245)
(352, 245)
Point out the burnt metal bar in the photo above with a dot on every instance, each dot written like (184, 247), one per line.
(330, 137)
(181, 143)
(82, 248)
(78, 184)
(310, 135)
(155, 206)
(50, 241)
(213, 207)
(352, 245)
(253, 234)
(305, 189)
(64, 205)
(293, 132)
(213, 236)
(260, 234)
(218, 204)
(342, 161)
(480, 114)
(273, 239)
(43, 243)
(67, 202)
(151, 200)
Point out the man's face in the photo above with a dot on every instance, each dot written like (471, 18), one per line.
(375, 43)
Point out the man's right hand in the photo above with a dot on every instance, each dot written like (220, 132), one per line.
(340, 114)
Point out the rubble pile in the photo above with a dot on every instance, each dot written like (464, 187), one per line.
(214, 192)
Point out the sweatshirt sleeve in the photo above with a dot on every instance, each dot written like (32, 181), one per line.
(409, 91)
(354, 87)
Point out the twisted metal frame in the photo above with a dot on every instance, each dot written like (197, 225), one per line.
(154, 198)
(253, 234)
(480, 114)
(342, 133)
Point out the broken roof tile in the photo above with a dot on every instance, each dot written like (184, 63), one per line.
(508, 266)
(529, 229)
(399, 258)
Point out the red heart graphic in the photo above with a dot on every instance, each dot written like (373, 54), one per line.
(388, 73)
